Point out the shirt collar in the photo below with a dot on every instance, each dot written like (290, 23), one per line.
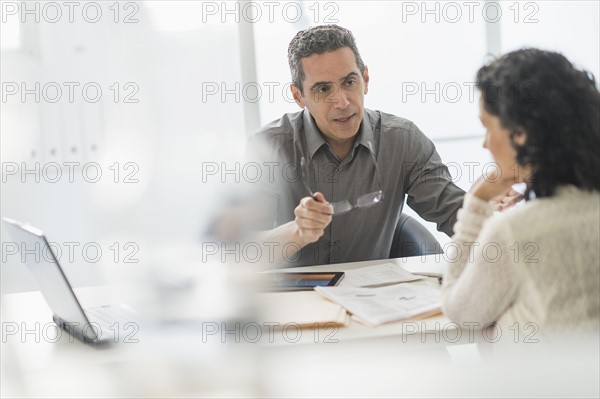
(365, 133)
(315, 140)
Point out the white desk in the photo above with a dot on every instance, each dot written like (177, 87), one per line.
(364, 362)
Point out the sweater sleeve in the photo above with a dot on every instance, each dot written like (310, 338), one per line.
(480, 281)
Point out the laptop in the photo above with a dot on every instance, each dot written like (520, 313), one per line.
(98, 325)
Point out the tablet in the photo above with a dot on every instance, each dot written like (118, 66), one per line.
(298, 281)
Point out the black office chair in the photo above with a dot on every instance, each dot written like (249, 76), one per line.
(411, 238)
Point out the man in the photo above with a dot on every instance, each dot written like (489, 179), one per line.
(353, 166)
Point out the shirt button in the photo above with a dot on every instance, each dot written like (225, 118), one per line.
(340, 168)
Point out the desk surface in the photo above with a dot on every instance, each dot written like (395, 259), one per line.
(427, 263)
(359, 361)
(357, 330)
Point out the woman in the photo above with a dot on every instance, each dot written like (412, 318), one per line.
(536, 266)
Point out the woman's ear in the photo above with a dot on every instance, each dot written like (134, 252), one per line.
(520, 137)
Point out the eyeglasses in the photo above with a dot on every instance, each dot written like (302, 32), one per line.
(344, 206)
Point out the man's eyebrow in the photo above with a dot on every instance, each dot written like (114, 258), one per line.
(350, 75)
(325, 82)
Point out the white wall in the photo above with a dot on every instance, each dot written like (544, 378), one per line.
(159, 142)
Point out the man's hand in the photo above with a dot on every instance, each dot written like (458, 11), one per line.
(313, 215)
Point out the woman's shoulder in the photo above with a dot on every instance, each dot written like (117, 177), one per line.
(569, 205)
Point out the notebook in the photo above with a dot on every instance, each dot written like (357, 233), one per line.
(301, 309)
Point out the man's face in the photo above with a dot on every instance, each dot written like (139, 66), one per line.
(334, 91)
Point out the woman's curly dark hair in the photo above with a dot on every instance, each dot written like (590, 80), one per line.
(558, 107)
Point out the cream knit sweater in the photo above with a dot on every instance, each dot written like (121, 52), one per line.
(538, 263)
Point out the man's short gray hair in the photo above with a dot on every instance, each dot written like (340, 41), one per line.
(318, 40)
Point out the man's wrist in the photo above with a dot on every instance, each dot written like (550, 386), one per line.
(296, 237)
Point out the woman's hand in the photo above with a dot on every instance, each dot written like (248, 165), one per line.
(507, 200)
(497, 186)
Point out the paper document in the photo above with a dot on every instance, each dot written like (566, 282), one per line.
(428, 265)
(377, 276)
(300, 308)
(376, 306)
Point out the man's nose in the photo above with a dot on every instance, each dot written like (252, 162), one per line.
(341, 99)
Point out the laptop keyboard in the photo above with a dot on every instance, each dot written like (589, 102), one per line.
(108, 316)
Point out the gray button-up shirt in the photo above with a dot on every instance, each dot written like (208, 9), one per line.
(408, 163)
